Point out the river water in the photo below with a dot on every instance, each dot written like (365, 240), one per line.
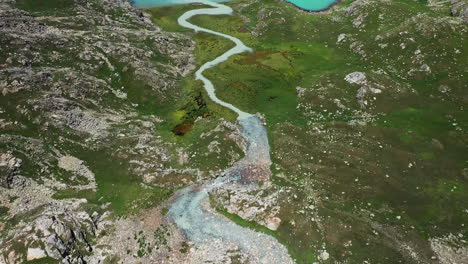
(191, 210)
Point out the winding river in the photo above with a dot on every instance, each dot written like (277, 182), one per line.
(191, 210)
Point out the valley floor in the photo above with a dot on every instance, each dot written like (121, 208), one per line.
(102, 122)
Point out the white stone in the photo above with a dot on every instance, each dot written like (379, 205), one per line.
(77, 166)
(35, 253)
(356, 78)
(341, 37)
(375, 90)
(273, 223)
(324, 255)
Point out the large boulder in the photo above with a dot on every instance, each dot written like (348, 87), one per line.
(460, 9)
(9, 168)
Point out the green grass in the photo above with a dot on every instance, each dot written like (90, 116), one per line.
(417, 123)
(47, 260)
(266, 80)
(45, 5)
(163, 17)
(117, 185)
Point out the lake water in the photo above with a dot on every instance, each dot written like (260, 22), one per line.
(310, 5)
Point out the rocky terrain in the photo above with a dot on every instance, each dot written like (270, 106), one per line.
(89, 90)
(101, 122)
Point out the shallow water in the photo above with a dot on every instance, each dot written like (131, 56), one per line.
(192, 213)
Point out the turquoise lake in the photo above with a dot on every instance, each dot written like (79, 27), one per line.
(312, 5)
(309, 5)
